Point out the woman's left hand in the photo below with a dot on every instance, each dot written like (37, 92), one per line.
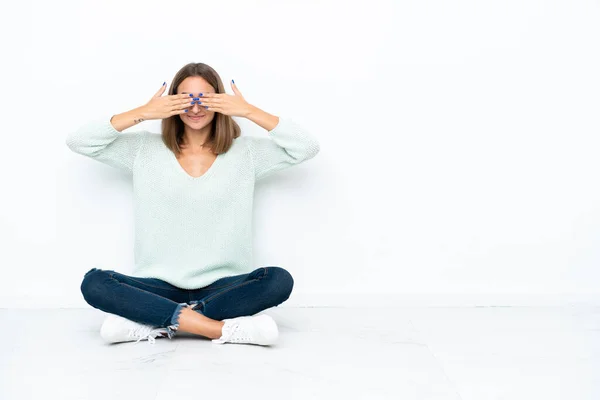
(233, 105)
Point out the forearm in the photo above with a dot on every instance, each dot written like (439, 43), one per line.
(262, 118)
(127, 119)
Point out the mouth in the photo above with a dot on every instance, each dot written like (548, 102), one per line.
(196, 118)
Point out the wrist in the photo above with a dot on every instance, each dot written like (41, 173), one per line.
(140, 114)
(250, 110)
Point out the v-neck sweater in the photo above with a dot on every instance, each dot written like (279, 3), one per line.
(192, 231)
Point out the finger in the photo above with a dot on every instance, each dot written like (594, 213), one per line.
(176, 112)
(183, 104)
(236, 90)
(161, 90)
(182, 96)
(202, 102)
(211, 100)
(211, 95)
(182, 108)
(206, 105)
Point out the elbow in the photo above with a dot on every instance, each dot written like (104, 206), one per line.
(70, 142)
(74, 143)
(306, 152)
(313, 149)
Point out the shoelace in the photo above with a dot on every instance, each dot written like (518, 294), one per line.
(145, 332)
(229, 336)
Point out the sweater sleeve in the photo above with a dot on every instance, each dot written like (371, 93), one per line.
(285, 145)
(98, 139)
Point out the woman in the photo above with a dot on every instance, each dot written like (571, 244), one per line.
(193, 192)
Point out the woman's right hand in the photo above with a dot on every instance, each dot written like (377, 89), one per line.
(160, 106)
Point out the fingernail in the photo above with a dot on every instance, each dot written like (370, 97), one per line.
(185, 110)
(232, 81)
(164, 83)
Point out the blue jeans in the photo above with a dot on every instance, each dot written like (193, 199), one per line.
(155, 302)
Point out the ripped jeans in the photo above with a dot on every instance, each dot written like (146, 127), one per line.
(155, 302)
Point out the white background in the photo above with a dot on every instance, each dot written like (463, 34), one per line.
(459, 142)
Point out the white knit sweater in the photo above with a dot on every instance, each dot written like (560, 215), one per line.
(191, 231)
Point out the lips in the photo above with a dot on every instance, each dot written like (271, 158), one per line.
(196, 118)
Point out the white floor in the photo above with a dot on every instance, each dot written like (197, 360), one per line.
(474, 353)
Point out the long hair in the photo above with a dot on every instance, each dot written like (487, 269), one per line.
(223, 128)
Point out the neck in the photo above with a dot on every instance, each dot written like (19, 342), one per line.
(193, 139)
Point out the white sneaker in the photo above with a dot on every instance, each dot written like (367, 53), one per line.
(259, 329)
(117, 329)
